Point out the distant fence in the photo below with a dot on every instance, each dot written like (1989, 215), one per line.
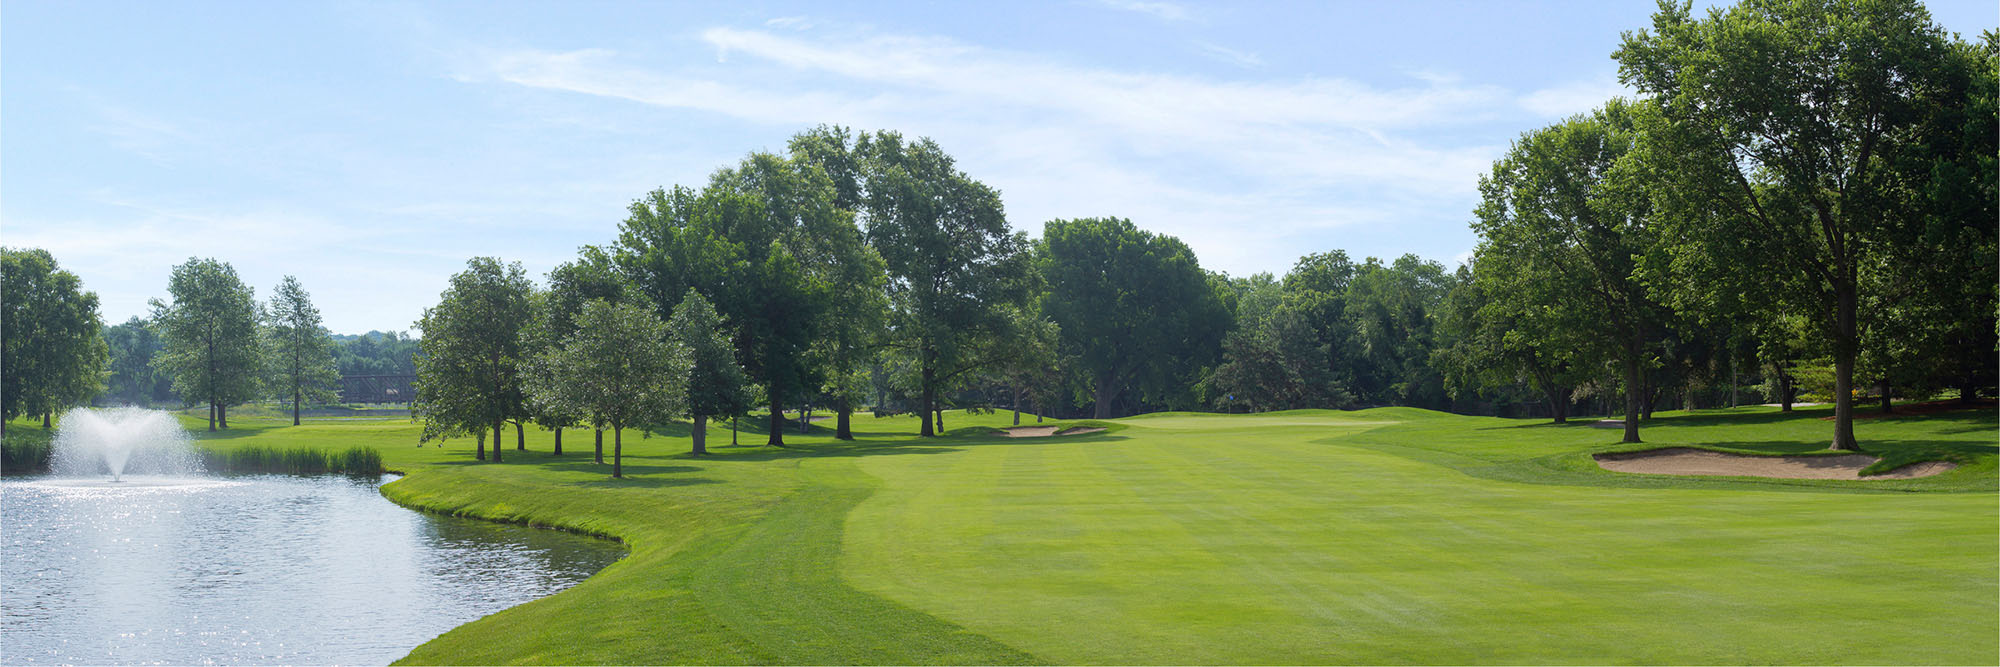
(377, 388)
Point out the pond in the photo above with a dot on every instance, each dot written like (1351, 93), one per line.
(255, 570)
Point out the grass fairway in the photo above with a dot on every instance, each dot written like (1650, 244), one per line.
(1381, 536)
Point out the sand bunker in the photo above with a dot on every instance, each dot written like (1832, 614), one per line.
(1689, 461)
(1046, 431)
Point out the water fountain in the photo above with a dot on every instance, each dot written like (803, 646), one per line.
(117, 441)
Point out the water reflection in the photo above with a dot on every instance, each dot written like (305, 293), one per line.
(255, 570)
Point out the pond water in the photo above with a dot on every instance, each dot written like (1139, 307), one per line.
(260, 569)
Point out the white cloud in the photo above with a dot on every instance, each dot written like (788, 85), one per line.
(1162, 10)
(790, 23)
(1225, 54)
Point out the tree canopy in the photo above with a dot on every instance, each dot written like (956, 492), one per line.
(53, 355)
(468, 377)
(211, 337)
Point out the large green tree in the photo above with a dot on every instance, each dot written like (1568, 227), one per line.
(1564, 219)
(299, 348)
(622, 367)
(860, 308)
(1134, 307)
(469, 376)
(211, 336)
(1781, 126)
(955, 270)
(49, 328)
(591, 276)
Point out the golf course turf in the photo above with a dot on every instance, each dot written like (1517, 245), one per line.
(1378, 536)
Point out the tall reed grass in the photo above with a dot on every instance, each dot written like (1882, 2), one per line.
(295, 460)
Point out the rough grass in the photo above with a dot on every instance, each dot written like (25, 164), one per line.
(1382, 536)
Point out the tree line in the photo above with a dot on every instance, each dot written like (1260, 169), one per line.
(211, 344)
(1802, 196)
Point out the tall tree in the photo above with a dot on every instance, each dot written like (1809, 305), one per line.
(622, 367)
(716, 385)
(300, 351)
(1781, 122)
(592, 275)
(1316, 288)
(211, 336)
(49, 329)
(955, 269)
(860, 306)
(1134, 307)
(469, 375)
(1565, 217)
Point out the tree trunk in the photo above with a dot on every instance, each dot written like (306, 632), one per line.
(1103, 397)
(558, 441)
(1843, 367)
(222, 415)
(600, 446)
(617, 451)
(496, 440)
(520, 438)
(842, 428)
(735, 427)
(211, 416)
(777, 438)
(1632, 381)
(1732, 379)
(297, 397)
(700, 435)
(481, 437)
(930, 400)
(45, 421)
(1886, 407)
(1558, 406)
(940, 420)
(1017, 406)
(805, 420)
(1784, 390)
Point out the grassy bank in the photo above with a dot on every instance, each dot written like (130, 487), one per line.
(1382, 536)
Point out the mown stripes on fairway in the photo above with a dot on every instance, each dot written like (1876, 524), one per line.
(1196, 543)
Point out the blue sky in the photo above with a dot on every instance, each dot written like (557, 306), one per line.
(370, 148)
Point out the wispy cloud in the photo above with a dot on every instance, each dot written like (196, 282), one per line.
(1162, 10)
(1248, 167)
(790, 23)
(1225, 54)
